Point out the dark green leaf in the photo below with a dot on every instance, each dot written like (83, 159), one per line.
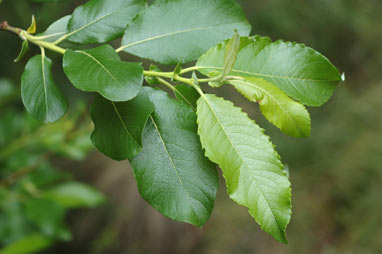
(119, 125)
(40, 95)
(101, 70)
(100, 21)
(187, 95)
(172, 172)
(301, 72)
(173, 31)
(57, 29)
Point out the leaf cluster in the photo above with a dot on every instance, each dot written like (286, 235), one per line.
(174, 145)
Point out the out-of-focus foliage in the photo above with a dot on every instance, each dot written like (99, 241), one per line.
(35, 195)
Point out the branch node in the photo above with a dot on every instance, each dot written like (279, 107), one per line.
(4, 25)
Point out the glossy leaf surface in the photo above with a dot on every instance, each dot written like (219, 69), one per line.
(101, 70)
(254, 174)
(100, 21)
(301, 72)
(179, 31)
(119, 125)
(40, 94)
(172, 173)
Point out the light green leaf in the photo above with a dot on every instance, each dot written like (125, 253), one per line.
(101, 70)
(119, 125)
(75, 195)
(301, 72)
(29, 244)
(24, 49)
(187, 95)
(40, 95)
(100, 21)
(290, 116)
(172, 173)
(33, 27)
(175, 31)
(230, 54)
(254, 174)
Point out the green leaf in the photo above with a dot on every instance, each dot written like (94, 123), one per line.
(301, 72)
(40, 95)
(24, 49)
(290, 116)
(29, 244)
(172, 173)
(179, 31)
(57, 29)
(119, 125)
(100, 21)
(33, 27)
(187, 95)
(254, 175)
(230, 54)
(75, 195)
(101, 70)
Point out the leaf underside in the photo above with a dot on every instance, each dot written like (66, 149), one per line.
(254, 175)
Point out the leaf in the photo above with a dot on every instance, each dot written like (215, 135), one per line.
(230, 54)
(100, 21)
(40, 95)
(57, 29)
(119, 125)
(32, 243)
(290, 116)
(187, 95)
(24, 49)
(75, 195)
(251, 167)
(101, 70)
(179, 31)
(301, 72)
(32, 28)
(172, 173)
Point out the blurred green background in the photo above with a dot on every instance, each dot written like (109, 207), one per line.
(336, 174)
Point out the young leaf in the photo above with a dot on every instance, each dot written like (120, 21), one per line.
(251, 167)
(173, 31)
(119, 125)
(23, 51)
(32, 243)
(172, 173)
(101, 70)
(187, 95)
(301, 72)
(230, 54)
(100, 21)
(32, 28)
(290, 116)
(40, 95)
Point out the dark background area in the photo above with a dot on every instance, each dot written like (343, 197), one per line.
(336, 173)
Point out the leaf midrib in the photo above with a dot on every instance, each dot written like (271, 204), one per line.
(239, 155)
(173, 164)
(100, 64)
(122, 122)
(97, 20)
(268, 75)
(44, 84)
(175, 33)
(275, 100)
